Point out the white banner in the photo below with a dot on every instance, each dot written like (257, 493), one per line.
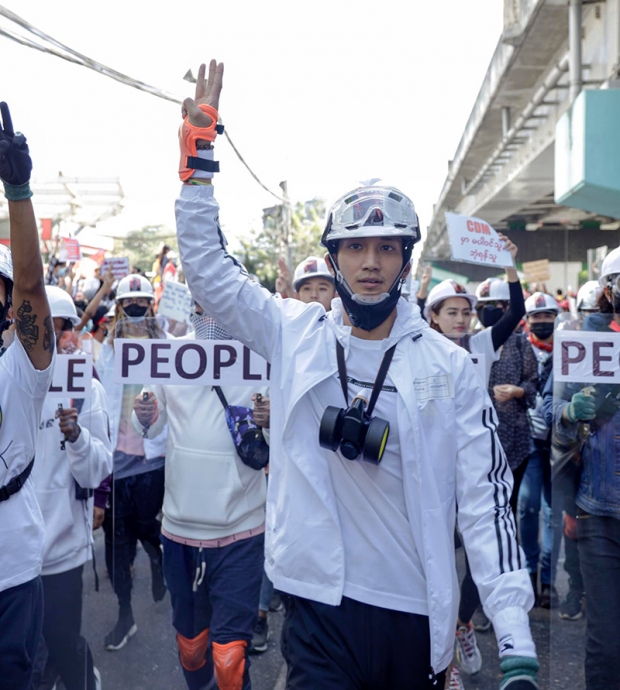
(476, 242)
(586, 357)
(188, 362)
(72, 377)
(119, 266)
(176, 302)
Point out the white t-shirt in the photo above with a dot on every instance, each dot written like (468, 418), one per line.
(382, 565)
(22, 392)
(481, 343)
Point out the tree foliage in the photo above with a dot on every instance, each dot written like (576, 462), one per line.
(142, 246)
(261, 249)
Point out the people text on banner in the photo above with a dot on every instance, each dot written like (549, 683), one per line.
(586, 357)
(188, 362)
(72, 376)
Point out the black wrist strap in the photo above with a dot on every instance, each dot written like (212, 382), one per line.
(379, 381)
(195, 163)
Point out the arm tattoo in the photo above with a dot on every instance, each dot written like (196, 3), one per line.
(48, 334)
(27, 331)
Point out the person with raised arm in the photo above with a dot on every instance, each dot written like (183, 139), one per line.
(361, 511)
(25, 373)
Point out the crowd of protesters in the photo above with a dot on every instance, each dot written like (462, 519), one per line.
(247, 500)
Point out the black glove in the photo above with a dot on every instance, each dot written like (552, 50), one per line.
(15, 163)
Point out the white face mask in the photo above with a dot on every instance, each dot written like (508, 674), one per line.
(207, 329)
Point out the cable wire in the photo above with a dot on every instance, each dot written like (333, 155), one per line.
(66, 53)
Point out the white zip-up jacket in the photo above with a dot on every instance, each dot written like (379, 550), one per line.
(88, 461)
(447, 434)
(210, 493)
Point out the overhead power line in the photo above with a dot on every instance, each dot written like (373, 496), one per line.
(64, 52)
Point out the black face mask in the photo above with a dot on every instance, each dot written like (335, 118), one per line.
(616, 304)
(542, 330)
(135, 311)
(369, 316)
(489, 315)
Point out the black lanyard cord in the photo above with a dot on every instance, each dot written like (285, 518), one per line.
(379, 381)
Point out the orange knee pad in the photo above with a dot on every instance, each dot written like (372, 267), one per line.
(229, 663)
(192, 652)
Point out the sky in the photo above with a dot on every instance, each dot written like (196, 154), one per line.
(320, 93)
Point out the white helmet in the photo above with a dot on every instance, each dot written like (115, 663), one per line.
(610, 267)
(312, 267)
(372, 211)
(492, 290)
(588, 295)
(134, 285)
(61, 304)
(539, 302)
(445, 290)
(6, 263)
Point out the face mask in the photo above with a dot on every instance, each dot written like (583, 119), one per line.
(135, 311)
(207, 329)
(616, 303)
(489, 315)
(542, 330)
(369, 316)
(61, 272)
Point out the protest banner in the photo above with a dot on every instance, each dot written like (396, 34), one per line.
(73, 249)
(188, 362)
(176, 301)
(72, 377)
(586, 357)
(474, 241)
(119, 266)
(536, 270)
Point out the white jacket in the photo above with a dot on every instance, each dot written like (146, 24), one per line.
(454, 455)
(88, 461)
(153, 448)
(209, 492)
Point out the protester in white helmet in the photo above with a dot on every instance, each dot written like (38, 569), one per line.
(449, 308)
(138, 491)
(535, 492)
(588, 296)
(360, 522)
(313, 282)
(597, 499)
(73, 457)
(25, 371)
(214, 512)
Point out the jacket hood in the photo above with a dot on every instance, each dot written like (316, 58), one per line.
(408, 321)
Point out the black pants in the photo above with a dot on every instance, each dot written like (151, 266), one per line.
(68, 651)
(21, 617)
(135, 503)
(356, 646)
(599, 552)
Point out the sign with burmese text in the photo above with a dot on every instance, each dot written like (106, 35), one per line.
(73, 376)
(187, 362)
(473, 240)
(586, 357)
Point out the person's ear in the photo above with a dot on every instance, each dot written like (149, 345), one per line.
(330, 264)
(406, 272)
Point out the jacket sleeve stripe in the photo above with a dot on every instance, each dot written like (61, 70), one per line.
(504, 525)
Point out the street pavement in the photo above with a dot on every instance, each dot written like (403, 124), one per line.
(149, 661)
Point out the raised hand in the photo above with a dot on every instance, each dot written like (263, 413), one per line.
(207, 92)
(15, 162)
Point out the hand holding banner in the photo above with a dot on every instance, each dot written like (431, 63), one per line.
(476, 242)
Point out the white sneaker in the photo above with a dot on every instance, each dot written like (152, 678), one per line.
(467, 653)
(97, 678)
(455, 679)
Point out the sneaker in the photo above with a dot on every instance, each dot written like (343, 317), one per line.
(123, 630)
(549, 598)
(571, 608)
(97, 678)
(260, 637)
(479, 621)
(468, 655)
(276, 604)
(455, 679)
